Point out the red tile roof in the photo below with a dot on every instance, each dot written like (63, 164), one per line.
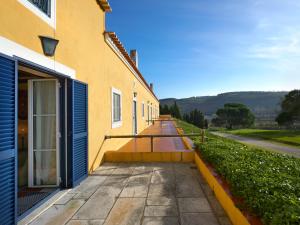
(121, 48)
(104, 4)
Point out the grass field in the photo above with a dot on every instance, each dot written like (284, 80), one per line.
(283, 136)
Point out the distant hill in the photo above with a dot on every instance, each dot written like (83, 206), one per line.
(265, 105)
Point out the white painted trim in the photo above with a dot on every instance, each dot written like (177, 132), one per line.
(30, 134)
(66, 132)
(135, 120)
(143, 110)
(10, 48)
(113, 123)
(120, 55)
(51, 21)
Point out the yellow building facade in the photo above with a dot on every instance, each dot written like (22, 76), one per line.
(85, 53)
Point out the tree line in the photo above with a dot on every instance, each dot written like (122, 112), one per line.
(195, 117)
(236, 115)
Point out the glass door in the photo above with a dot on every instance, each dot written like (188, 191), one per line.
(43, 133)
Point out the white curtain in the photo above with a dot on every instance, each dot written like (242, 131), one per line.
(44, 132)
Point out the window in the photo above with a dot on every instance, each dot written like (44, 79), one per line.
(143, 109)
(45, 9)
(116, 108)
(43, 5)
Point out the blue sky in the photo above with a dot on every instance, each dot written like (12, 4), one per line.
(199, 47)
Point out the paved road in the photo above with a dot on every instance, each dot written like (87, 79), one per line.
(263, 143)
(138, 194)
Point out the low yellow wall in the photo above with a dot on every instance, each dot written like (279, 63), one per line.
(113, 156)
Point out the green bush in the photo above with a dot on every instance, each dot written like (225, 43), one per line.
(268, 183)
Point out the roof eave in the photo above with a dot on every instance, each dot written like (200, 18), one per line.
(121, 48)
(104, 4)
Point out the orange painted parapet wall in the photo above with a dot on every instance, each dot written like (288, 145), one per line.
(235, 215)
(149, 156)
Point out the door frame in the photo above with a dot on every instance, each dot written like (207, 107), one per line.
(30, 133)
(134, 116)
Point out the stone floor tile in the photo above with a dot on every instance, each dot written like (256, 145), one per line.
(167, 210)
(161, 200)
(161, 190)
(137, 186)
(207, 189)
(126, 211)
(198, 219)
(99, 205)
(193, 205)
(58, 214)
(89, 185)
(162, 176)
(106, 169)
(64, 199)
(216, 206)
(224, 220)
(86, 222)
(160, 221)
(188, 189)
(142, 169)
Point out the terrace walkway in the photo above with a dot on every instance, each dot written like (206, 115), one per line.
(138, 194)
(174, 144)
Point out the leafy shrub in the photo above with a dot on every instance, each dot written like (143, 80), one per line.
(269, 183)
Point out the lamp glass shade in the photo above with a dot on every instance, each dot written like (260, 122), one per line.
(49, 45)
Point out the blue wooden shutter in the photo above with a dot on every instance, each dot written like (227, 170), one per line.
(79, 131)
(8, 137)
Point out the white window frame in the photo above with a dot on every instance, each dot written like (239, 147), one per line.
(51, 21)
(143, 110)
(113, 123)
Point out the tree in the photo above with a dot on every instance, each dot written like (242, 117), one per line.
(284, 119)
(196, 118)
(175, 112)
(234, 114)
(164, 110)
(290, 109)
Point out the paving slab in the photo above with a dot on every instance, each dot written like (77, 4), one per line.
(161, 200)
(88, 187)
(106, 169)
(161, 190)
(216, 206)
(137, 186)
(138, 194)
(168, 210)
(193, 205)
(126, 211)
(65, 199)
(99, 205)
(85, 222)
(142, 169)
(198, 219)
(58, 214)
(162, 176)
(160, 221)
(188, 188)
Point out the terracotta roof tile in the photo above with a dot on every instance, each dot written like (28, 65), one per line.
(104, 4)
(121, 48)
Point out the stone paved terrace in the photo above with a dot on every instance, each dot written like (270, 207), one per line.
(138, 194)
(160, 144)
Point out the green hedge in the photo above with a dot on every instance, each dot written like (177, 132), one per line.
(269, 183)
